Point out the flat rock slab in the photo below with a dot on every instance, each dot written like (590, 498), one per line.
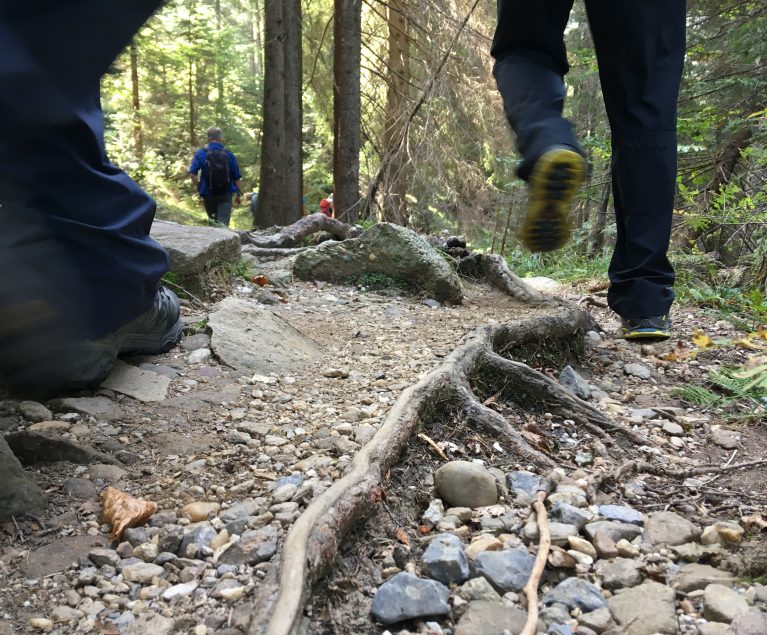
(251, 338)
(57, 556)
(100, 408)
(18, 492)
(647, 609)
(43, 447)
(194, 249)
(491, 618)
(144, 385)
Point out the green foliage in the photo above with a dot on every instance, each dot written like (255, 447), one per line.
(377, 282)
(749, 305)
(240, 269)
(566, 265)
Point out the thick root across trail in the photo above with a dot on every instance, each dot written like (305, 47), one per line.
(450, 391)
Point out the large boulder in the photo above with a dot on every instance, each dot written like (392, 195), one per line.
(200, 257)
(250, 338)
(18, 492)
(385, 249)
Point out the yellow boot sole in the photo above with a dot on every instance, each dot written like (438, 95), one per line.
(555, 180)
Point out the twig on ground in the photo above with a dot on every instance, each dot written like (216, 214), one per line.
(646, 468)
(433, 445)
(591, 300)
(544, 545)
(734, 452)
(192, 297)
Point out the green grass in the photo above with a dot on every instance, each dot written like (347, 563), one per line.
(565, 265)
(377, 281)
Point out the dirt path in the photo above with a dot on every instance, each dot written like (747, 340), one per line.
(259, 448)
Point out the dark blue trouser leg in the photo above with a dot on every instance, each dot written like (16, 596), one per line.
(530, 65)
(640, 50)
(59, 194)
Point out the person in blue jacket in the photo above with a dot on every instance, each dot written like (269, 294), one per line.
(81, 281)
(219, 178)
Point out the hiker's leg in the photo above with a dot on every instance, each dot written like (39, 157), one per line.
(211, 208)
(224, 212)
(640, 50)
(529, 69)
(75, 227)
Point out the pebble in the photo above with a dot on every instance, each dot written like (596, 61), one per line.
(723, 604)
(575, 593)
(619, 573)
(645, 609)
(614, 530)
(696, 576)
(637, 370)
(406, 597)
(433, 514)
(671, 428)
(506, 570)
(478, 589)
(34, 411)
(525, 486)
(199, 356)
(445, 560)
(576, 384)
(40, 623)
(668, 528)
(490, 618)
(197, 512)
(621, 513)
(482, 543)
(726, 439)
(583, 546)
(142, 573)
(65, 614)
(465, 484)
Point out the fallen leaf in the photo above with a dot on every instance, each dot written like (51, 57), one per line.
(701, 340)
(424, 530)
(261, 281)
(402, 536)
(121, 510)
(755, 521)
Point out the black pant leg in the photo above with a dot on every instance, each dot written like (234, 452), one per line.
(530, 65)
(640, 51)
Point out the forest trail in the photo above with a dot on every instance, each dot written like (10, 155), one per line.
(224, 453)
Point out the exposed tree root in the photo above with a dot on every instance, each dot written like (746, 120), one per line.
(494, 269)
(273, 252)
(294, 234)
(313, 541)
(544, 546)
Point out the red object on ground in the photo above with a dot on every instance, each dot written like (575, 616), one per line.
(326, 208)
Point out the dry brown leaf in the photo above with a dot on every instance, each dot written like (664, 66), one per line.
(402, 536)
(261, 281)
(122, 510)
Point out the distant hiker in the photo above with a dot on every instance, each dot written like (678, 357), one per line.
(326, 207)
(252, 198)
(219, 177)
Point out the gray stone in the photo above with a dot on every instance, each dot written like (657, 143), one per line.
(478, 589)
(195, 342)
(673, 429)
(727, 439)
(575, 593)
(668, 528)
(242, 510)
(506, 570)
(180, 590)
(100, 557)
(433, 514)
(525, 486)
(140, 384)
(151, 623)
(576, 384)
(694, 552)
(491, 618)
(714, 628)
(559, 533)
(405, 597)
(621, 513)
(445, 560)
(199, 356)
(106, 473)
(65, 614)
(160, 369)
(255, 546)
(565, 513)
(200, 534)
(637, 370)
(752, 623)
(619, 573)
(249, 337)
(34, 411)
(646, 609)
(196, 249)
(386, 249)
(142, 573)
(615, 530)
(465, 484)
(723, 604)
(598, 621)
(19, 494)
(80, 488)
(100, 408)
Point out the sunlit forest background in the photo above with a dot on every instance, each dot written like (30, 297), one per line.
(435, 152)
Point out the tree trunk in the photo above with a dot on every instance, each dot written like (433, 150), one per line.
(395, 184)
(347, 108)
(138, 135)
(279, 199)
(294, 192)
(190, 81)
(220, 105)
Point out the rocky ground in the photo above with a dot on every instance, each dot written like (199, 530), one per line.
(233, 456)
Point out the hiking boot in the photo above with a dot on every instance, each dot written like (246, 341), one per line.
(553, 183)
(652, 328)
(41, 366)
